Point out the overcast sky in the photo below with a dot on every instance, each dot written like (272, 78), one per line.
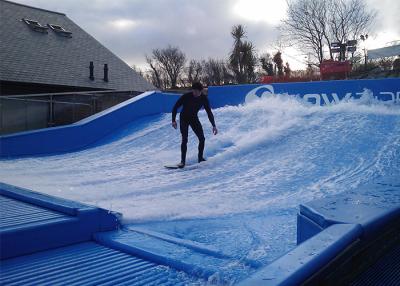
(200, 28)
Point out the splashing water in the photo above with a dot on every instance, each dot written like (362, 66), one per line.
(271, 155)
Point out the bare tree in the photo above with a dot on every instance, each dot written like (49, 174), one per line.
(138, 70)
(228, 77)
(287, 70)
(172, 61)
(210, 72)
(215, 72)
(194, 71)
(305, 25)
(277, 59)
(266, 64)
(313, 25)
(155, 72)
(347, 20)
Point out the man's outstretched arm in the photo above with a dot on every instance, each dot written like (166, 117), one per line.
(210, 115)
(178, 103)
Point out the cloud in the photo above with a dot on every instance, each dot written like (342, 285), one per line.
(270, 12)
(122, 24)
(131, 29)
(388, 15)
(200, 28)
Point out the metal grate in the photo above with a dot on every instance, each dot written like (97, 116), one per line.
(86, 264)
(385, 272)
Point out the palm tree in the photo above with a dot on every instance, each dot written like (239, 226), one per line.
(235, 58)
(242, 59)
(249, 62)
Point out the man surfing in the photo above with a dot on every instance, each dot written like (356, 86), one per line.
(191, 103)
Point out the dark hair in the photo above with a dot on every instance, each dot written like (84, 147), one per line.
(197, 85)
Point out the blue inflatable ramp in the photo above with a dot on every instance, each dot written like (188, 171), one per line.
(85, 264)
(344, 239)
(15, 214)
(32, 222)
(50, 241)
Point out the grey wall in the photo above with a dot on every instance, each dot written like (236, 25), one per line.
(22, 113)
(19, 115)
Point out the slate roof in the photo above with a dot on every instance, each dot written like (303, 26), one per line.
(50, 58)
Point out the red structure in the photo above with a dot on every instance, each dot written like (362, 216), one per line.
(331, 69)
(275, 79)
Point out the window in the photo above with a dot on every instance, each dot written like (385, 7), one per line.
(35, 25)
(60, 30)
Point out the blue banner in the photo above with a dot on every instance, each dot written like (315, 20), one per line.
(320, 93)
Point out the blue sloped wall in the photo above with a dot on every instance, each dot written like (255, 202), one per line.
(87, 131)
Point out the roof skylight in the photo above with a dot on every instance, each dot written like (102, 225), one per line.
(60, 30)
(35, 25)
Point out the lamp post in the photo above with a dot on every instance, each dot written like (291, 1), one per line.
(364, 38)
(240, 61)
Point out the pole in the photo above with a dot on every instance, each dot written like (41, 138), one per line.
(51, 123)
(365, 58)
(73, 107)
(26, 115)
(1, 115)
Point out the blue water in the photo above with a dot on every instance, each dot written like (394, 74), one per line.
(270, 156)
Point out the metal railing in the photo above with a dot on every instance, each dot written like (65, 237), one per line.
(35, 111)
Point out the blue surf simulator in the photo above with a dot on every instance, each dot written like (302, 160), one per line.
(301, 187)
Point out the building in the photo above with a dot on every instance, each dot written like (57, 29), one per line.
(44, 51)
(392, 50)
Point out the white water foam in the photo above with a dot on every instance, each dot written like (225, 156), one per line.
(272, 153)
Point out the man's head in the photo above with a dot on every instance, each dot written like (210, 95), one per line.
(197, 87)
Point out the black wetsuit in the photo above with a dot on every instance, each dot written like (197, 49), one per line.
(188, 117)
